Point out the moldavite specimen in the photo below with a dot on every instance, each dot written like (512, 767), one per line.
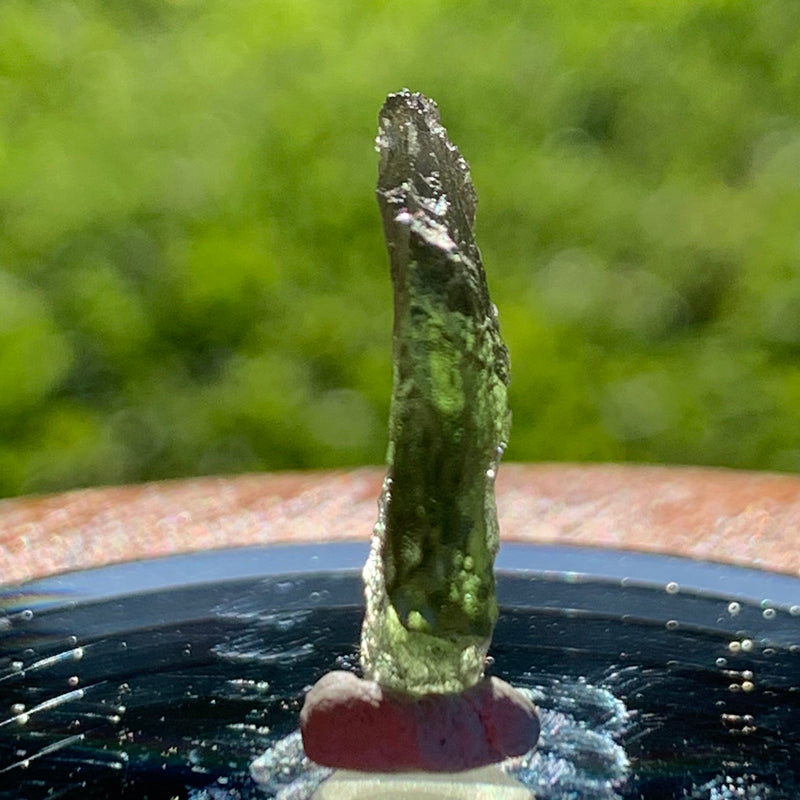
(429, 578)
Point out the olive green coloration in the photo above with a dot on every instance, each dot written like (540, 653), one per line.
(430, 588)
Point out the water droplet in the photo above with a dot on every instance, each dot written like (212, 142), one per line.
(722, 662)
(734, 646)
(747, 645)
(491, 474)
(17, 708)
(747, 674)
(748, 686)
(672, 624)
(795, 611)
(22, 719)
(77, 653)
(734, 608)
(73, 681)
(768, 613)
(26, 615)
(17, 666)
(672, 588)
(72, 641)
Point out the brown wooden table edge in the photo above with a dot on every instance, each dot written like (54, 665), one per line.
(736, 517)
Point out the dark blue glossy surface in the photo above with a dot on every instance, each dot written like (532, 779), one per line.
(657, 677)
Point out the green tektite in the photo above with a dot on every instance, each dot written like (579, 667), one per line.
(429, 578)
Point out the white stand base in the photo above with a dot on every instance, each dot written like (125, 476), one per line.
(486, 783)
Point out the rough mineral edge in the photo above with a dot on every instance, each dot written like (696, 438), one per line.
(429, 579)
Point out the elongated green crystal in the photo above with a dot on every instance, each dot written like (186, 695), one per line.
(429, 579)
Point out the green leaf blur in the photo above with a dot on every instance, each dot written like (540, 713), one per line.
(192, 273)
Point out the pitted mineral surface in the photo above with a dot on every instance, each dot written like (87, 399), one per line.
(429, 579)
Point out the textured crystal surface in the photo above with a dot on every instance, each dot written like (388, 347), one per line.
(429, 578)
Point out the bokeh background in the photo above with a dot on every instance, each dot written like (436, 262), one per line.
(192, 273)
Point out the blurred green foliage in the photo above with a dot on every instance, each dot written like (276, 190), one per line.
(192, 274)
